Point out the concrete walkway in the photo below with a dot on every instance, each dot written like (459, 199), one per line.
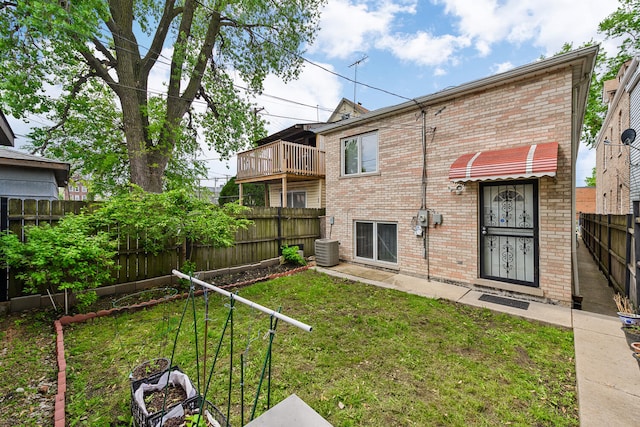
(608, 377)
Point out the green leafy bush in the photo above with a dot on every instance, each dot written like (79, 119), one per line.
(172, 217)
(290, 255)
(69, 256)
(78, 254)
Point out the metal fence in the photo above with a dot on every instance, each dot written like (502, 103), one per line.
(272, 228)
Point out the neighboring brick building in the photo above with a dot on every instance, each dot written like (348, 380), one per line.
(585, 200)
(471, 185)
(618, 181)
(76, 190)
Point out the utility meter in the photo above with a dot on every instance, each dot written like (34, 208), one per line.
(423, 218)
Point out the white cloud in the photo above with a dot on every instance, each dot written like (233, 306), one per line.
(547, 24)
(347, 27)
(315, 87)
(502, 67)
(434, 33)
(585, 163)
(423, 48)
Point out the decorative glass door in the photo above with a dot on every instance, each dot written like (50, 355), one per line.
(509, 232)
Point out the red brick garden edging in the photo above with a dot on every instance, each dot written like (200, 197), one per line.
(59, 408)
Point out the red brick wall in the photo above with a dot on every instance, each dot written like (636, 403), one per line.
(532, 111)
(585, 200)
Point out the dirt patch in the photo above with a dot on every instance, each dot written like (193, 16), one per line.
(231, 280)
(31, 393)
(149, 368)
(165, 398)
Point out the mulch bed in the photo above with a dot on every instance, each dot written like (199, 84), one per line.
(225, 281)
(156, 400)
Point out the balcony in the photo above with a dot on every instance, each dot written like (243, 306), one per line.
(278, 160)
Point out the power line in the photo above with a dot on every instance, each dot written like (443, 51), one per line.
(318, 65)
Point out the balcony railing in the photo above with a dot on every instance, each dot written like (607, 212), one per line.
(281, 157)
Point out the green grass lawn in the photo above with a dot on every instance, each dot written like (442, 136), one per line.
(375, 357)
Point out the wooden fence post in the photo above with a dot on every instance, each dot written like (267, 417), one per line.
(4, 271)
(634, 285)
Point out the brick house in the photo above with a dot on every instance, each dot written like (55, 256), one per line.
(472, 185)
(617, 165)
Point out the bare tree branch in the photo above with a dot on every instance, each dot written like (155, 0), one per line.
(5, 4)
(100, 70)
(206, 52)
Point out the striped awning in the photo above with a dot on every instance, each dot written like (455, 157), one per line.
(526, 161)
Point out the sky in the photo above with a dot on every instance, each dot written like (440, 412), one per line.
(401, 49)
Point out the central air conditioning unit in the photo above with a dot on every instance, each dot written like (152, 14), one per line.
(327, 252)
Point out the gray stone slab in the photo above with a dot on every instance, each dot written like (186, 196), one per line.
(595, 322)
(25, 303)
(607, 360)
(427, 288)
(291, 412)
(604, 405)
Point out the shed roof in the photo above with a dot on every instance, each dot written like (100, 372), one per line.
(15, 158)
(6, 134)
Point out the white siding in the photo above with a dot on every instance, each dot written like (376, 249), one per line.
(314, 191)
(634, 120)
(28, 183)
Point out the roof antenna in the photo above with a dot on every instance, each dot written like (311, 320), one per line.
(355, 75)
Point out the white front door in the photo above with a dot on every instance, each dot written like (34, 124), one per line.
(508, 232)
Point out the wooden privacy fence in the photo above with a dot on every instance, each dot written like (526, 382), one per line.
(612, 243)
(272, 228)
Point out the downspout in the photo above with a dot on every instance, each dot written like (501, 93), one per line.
(425, 234)
(575, 294)
(576, 298)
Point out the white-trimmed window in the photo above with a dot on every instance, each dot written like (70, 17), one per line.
(296, 199)
(376, 241)
(360, 154)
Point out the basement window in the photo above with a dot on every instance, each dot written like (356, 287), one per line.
(376, 241)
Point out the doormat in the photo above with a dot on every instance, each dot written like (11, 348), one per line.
(504, 301)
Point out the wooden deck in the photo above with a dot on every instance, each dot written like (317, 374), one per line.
(280, 159)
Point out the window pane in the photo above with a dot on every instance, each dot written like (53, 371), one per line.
(296, 199)
(370, 153)
(364, 239)
(350, 156)
(387, 243)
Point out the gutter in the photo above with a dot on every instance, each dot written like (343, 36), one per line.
(539, 67)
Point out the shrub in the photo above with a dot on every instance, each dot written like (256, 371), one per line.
(290, 255)
(68, 256)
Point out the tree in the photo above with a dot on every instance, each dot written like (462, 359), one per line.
(591, 180)
(108, 116)
(624, 24)
(252, 194)
(595, 111)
